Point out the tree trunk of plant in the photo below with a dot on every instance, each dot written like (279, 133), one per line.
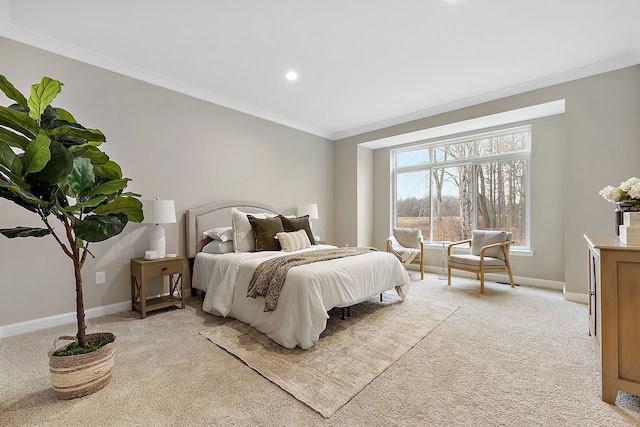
(77, 272)
(77, 266)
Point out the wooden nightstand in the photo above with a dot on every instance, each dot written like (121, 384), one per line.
(142, 269)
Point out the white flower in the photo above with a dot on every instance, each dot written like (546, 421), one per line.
(628, 190)
(626, 185)
(634, 191)
(611, 194)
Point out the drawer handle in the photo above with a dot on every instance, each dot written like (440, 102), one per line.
(164, 268)
(592, 293)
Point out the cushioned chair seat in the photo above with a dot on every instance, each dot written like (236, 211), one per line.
(474, 261)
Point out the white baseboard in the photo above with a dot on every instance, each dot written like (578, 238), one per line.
(61, 319)
(575, 297)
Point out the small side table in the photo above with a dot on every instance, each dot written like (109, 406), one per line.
(443, 274)
(142, 269)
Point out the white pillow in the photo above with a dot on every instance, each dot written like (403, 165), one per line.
(220, 233)
(243, 238)
(218, 247)
(408, 237)
(294, 240)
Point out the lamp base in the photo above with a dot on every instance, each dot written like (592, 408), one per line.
(157, 241)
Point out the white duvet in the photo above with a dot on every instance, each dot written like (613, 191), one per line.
(308, 293)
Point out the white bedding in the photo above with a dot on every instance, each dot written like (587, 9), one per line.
(308, 293)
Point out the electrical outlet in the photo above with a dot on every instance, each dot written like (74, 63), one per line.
(101, 277)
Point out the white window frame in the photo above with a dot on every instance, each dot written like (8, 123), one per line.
(472, 160)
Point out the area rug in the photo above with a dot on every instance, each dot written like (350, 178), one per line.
(349, 355)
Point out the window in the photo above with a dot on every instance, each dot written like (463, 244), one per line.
(449, 188)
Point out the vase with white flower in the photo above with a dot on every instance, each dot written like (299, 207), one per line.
(626, 197)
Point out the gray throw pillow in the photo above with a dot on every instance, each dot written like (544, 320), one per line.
(481, 238)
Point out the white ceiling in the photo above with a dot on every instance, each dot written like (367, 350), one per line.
(362, 64)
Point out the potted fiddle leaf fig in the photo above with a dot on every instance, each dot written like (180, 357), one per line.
(53, 167)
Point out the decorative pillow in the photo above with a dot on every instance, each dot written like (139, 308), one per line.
(218, 247)
(294, 241)
(299, 223)
(481, 238)
(264, 231)
(243, 240)
(408, 237)
(220, 233)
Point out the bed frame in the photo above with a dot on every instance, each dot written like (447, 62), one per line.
(212, 215)
(218, 214)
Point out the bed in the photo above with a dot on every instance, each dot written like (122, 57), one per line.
(309, 291)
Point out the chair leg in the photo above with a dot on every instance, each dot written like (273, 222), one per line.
(509, 271)
(421, 269)
(448, 275)
(482, 283)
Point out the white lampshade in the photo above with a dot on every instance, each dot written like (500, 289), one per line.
(158, 212)
(311, 210)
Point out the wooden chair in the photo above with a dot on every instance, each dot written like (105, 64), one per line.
(489, 254)
(407, 245)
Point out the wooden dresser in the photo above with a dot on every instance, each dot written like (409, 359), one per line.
(614, 313)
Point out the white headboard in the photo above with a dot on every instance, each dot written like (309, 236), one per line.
(217, 214)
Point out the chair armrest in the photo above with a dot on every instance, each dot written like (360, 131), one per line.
(461, 242)
(495, 245)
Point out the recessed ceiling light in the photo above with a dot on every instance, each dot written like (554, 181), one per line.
(292, 75)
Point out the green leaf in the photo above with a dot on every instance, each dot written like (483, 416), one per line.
(41, 96)
(96, 156)
(21, 193)
(13, 139)
(77, 132)
(65, 115)
(24, 232)
(13, 197)
(96, 228)
(36, 155)
(20, 122)
(17, 179)
(58, 167)
(110, 170)
(81, 178)
(50, 118)
(9, 159)
(110, 187)
(91, 203)
(132, 208)
(12, 92)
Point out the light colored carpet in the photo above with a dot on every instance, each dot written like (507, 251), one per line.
(511, 357)
(349, 355)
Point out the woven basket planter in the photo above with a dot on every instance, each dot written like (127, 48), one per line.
(82, 374)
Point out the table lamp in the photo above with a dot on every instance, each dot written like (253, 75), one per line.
(312, 211)
(158, 212)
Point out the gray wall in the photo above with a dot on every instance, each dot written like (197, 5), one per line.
(594, 144)
(171, 146)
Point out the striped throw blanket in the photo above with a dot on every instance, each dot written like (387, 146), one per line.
(269, 276)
